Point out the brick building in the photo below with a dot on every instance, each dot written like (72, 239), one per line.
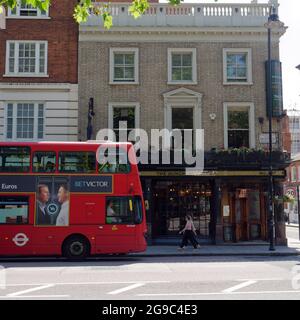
(197, 66)
(294, 123)
(38, 73)
(291, 186)
(286, 134)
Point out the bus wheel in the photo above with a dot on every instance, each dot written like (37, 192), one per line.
(76, 247)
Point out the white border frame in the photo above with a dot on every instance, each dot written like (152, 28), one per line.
(183, 98)
(113, 105)
(111, 64)
(248, 51)
(35, 124)
(251, 111)
(194, 65)
(294, 169)
(17, 42)
(18, 16)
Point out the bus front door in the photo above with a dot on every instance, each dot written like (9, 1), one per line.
(118, 234)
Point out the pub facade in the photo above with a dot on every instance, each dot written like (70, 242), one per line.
(195, 66)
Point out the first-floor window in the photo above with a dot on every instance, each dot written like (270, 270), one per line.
(183, 120)
(26, 58)
(123, 114)
(239, 125)
(238, 128)
(126, 115)
(25, 121)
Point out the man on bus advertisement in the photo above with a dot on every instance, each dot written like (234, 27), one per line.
(52, 201)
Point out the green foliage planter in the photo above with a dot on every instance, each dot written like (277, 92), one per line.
(244, 157)
(288, 199)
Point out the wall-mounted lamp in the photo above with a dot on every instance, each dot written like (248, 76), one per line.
(261, 120)
(212, 116)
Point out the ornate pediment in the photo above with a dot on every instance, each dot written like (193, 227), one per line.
(182, 94)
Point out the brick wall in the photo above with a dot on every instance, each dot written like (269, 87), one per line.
(286, 135)
(61, 32)
(94, 82)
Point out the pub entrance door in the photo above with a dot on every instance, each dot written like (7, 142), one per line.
(173, 200)
(250, 216)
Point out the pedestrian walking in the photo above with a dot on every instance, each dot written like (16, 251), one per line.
(189, 233)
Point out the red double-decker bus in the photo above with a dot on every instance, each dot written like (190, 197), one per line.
(64, 198)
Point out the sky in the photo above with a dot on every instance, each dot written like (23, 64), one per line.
(289, 13)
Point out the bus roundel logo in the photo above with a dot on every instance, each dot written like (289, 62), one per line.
(52, 208)
(20, 239)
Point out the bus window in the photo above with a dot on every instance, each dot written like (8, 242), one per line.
(82, 162)
(14, 210)
(14, 159)
(123, 210)
(119, 164)
(44, 161)
(138, 210)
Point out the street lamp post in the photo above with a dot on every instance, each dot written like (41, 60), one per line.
(270, 107)
(273, 22)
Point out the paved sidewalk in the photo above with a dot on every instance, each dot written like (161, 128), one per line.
(260, 249)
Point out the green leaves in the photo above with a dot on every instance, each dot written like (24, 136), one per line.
(85, 8)
(10, 3)
(107, 20)
(175, 2)
(43, 5)
(82, 10)
(139, 7)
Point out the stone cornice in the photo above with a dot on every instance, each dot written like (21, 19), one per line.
(24, 86)
(170, 34)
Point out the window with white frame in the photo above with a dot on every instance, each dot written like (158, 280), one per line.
(295, 145)
(124, 65)
(126, 113)
(237, 66)
(183, 120)
(182, 66)
(294, 123)
(26, 58)
(25, 10)
(239, 125)
(294, 174)
(25, 121)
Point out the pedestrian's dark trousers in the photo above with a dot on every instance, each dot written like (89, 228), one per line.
(189, 235)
